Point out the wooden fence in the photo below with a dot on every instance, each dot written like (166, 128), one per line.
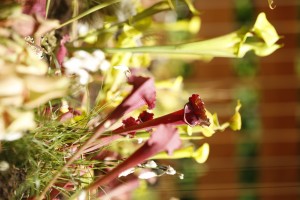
(261, 163)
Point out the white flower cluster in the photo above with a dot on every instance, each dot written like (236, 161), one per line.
(157, 171)
(83, 63)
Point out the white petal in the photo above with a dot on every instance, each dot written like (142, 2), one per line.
(11, 85)
(127, 172)
(83, 77)
(170, 170)
(82, 28)
(72, 65)
(82, 54)
(22, 121)
(147, 175)
(104, 66)
(90, 64)
(99, 55)
(181, 176)
(151, 164)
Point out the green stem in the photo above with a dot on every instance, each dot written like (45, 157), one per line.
(156, 8)
(47, 8)
(144, 49)
(93, 9)
(222, 46)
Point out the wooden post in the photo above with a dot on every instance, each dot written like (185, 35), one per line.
(279, 147)
(217, 19)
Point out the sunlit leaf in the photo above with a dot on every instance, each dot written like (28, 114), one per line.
(14, 123)
(260, 38)
(11, 91)
(265, 30)
(9, 9)
(200, 155)
(185, 152)
(187, 25)
(236, 121)
(43, 89)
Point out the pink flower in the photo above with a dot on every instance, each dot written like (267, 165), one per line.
(34, 7)
(145, 116)
(192, 114)
(165, 138)
(62, 50)
(130, 121)
(143, 93)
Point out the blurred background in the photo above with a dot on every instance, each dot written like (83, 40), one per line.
(262, 161)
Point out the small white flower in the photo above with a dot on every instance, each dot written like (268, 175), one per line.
(181, 176)
(4, 166)
(151, 164)
(83, 28)
(83, 62)
(90, 64)
(82, 54)
(170, 170)
(127, 172)
(83, 76)
(147, 175)
(99, 55)
(72, 65)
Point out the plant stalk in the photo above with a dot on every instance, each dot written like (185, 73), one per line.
(93, 9)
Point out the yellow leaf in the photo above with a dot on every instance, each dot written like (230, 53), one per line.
(201, 154)
(236, 120)
(264, 29)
